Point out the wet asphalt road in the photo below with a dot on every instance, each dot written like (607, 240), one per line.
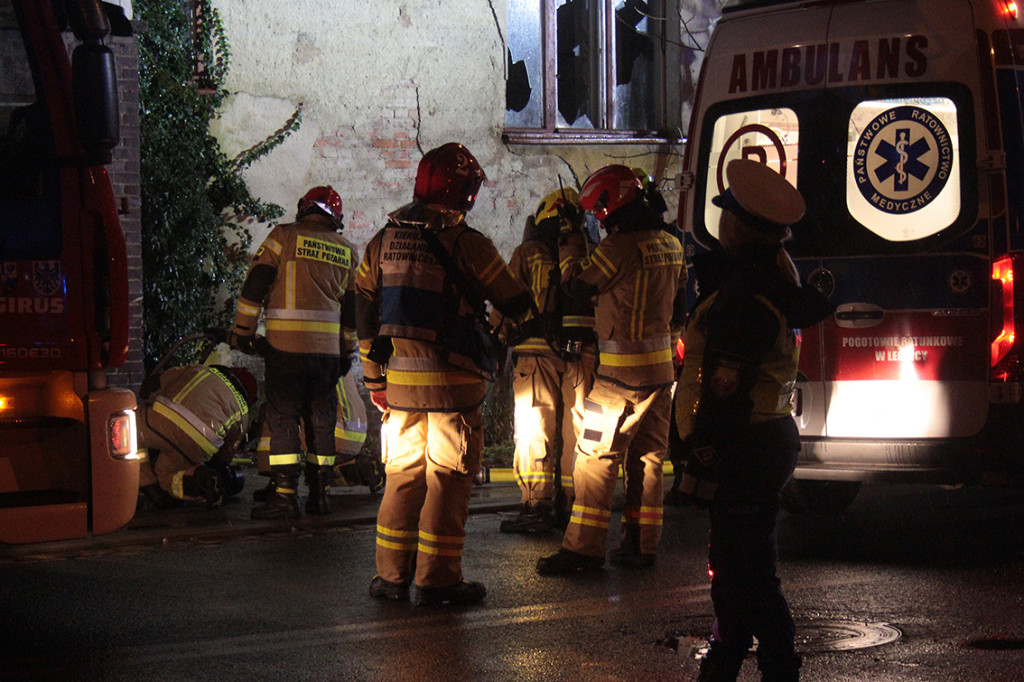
(941, 571)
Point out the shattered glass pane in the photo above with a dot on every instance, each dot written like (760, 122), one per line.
(577, 61)
(635, 69)
(524, 88)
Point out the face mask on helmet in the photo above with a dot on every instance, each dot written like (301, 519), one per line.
(608, 190)
(322, 200)
(449, 178)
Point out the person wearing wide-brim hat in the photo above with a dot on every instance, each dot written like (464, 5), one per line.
(733, 412)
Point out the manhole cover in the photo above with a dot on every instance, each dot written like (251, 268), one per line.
(835, 635)
(838, 635)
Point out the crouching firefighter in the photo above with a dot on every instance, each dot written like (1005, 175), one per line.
(354, 467)
(192, 420)
(302, 276)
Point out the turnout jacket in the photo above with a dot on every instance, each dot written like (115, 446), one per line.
(196, 409)
(637, 277)
(534, 263)
(303, 275)
(408, 304)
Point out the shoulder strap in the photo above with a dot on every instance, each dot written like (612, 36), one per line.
(462, 284)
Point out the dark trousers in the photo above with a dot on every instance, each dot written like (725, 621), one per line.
(743, 556)
(301, 388)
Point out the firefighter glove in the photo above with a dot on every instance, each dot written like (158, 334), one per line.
(150, 385)
(246, 344)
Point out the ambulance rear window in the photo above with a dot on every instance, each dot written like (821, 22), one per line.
(902, 170)
(769, 136)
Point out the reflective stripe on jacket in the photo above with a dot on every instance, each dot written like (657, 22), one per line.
(405, 294)
(636, 275)
(313, 267)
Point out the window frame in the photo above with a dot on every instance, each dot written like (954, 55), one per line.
(668, 101)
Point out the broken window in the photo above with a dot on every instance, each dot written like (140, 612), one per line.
(592, 69)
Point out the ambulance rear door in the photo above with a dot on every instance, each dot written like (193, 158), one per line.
(904, 360)
(870, 109)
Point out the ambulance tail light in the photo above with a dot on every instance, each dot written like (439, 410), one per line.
(1002, 313)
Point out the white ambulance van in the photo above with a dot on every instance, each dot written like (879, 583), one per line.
(900, 121)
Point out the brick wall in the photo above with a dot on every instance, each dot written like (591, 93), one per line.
(124, 175)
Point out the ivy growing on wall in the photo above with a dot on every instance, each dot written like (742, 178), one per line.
(195, 202)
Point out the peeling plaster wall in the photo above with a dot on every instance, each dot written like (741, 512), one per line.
(382, 82)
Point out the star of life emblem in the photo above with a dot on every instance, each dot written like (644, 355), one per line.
(903, 159)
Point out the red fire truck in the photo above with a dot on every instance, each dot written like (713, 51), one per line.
(68, 463)
(902, 123)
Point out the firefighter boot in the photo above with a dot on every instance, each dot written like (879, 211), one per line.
(371, 471)
(460, 594)
(204, 482)
(628, 554)
(317, 479)
(565, 561)
(385, 589)
(283, 502)
(531, 519)
(263, 494)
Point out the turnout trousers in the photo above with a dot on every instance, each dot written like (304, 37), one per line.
(430, 459)
(627, 428)
(549, 394)
(301, 391)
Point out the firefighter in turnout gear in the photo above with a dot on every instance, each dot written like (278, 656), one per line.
(638, 277)
(420, 291)
(303, 277)
(733, 413)
(192, 420)
(551, 370)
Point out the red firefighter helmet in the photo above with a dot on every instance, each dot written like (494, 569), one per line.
(323, 199)
(448, 177)
(609, 189)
